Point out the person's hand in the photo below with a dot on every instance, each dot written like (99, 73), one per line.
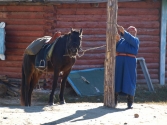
(120, 29)
(117, 37)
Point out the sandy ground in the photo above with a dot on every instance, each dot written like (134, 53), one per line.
(84, 114)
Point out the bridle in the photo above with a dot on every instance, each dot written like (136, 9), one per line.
(68, 52)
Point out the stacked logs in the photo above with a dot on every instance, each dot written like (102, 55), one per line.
(10, 87)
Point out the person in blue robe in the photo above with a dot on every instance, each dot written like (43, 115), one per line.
(125, 67)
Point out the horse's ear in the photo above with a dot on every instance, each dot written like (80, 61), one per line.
(81, 31)
(71, 29)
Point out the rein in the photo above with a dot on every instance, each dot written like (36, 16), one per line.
(83, 51)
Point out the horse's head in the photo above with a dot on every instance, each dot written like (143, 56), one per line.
(74, 42)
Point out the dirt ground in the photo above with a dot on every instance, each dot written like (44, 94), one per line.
(11, 113)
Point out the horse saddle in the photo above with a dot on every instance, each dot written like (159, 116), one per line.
(40, 60)
(36, 45)
(44, 55)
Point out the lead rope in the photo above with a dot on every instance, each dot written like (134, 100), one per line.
(83, 51)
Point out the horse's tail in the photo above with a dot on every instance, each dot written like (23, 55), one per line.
(22, 97)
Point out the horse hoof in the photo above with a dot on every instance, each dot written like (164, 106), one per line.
(62, 102)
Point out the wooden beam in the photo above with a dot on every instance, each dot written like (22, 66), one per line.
(163, 41)
(109, 75)
(68, 1)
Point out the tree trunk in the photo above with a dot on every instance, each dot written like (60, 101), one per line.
(109, 87)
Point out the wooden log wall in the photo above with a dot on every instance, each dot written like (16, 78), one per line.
(26, 23)
(23, 25)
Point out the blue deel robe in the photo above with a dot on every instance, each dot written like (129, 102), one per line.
(125, 69)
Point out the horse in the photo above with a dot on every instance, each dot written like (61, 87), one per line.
(62, 59)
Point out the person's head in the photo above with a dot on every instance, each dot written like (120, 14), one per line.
(132, 30)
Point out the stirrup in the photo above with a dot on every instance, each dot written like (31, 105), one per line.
(40, 66)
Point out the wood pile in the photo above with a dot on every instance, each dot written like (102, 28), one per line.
(10, 87)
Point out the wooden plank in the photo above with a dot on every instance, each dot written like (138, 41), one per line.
(26, 33)
(15, 46)
(82, 11)
(134, 11)
(152, 59)
(21, 39)
(148, 44)
(10, 63)
(137, 18)
(69, 18)
(15, 52)
(149, 49)
(148, 38)
(143, 81)
(25, 21)
(148, 31)
(79, 1)
(11, 69)
(152, 76)
(143, 4)
(142, 24)
(14, 58)
(151, 71)
(152, 65)
(22, 15)
(26, 28)
(83, 5)
(21, 8)
(163, 42)
(149, 54)
(12, 75)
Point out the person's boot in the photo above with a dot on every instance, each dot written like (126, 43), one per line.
(116, 99)
(130, 100)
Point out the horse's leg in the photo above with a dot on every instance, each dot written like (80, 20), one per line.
(33, 83)
(54, 85)
(63, 83)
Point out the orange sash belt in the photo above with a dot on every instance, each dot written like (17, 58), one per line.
(125, 54)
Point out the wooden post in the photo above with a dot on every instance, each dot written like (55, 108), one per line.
(109, 78)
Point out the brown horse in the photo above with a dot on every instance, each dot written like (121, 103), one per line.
(62, 59)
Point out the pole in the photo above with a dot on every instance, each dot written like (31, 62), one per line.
(109, 75)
